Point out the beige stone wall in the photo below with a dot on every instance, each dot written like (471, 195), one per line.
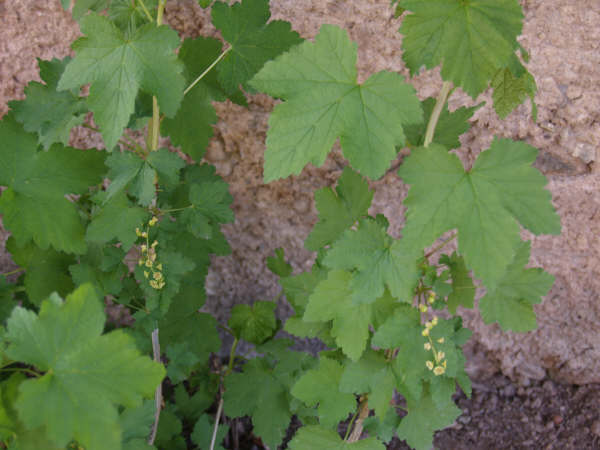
(564, 42)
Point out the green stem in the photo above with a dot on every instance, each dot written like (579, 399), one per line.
(439, 247)
(154, 127)
(232, 356)
(12, 272)
(148, 15)
(229, 330)
(164, 211)
(21, 369)
(208, 69)
(437, 110)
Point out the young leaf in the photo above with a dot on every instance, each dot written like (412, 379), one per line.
(463, 289)
(339, 209)
(87, 374)
(316, 437)
(129, 170)
(181, 362)
(34, 205)
(511, 302)
(45, 111)
(450, 126)
(372, 375)
(278, 265)
(403, 331)
(202, 434)
(332, 300)
(266, 402)
(320, 386)
(253, 41)
(511, 90)
(324, 102)
(254, 324)
(377, 260)
(117, 67)
(470, 39)
(425, 416)
(485, 204)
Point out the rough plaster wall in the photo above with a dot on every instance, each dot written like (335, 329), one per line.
(563, 39)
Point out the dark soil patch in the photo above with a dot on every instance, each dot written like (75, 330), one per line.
(501, 415)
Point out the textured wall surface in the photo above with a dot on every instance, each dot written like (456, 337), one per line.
(564, 42)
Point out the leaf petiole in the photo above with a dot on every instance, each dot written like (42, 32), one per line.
(148, 15)
(208, 69)
(437, 110)
(442, 245)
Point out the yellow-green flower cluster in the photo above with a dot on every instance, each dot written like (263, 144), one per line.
(438, 364)
(148, 259)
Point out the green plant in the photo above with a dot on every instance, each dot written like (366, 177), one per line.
(371, 298)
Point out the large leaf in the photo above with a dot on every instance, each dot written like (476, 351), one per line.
(324, 102)
(486, 204)
(45, 111)
(471, 39)
(253, 41)
(86, 374)
(118, 66)
(34, 205)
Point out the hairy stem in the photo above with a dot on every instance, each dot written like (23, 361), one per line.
(437, 110)
(208, 69)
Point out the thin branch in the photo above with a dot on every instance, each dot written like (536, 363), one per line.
(216, 427)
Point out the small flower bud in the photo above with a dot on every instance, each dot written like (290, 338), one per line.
(157, 275)
(144, 248)
(425, 332)
(429, 365)
(153, 221)
(144, 234)
(429, 325)
(439, 370)
(440, 356)
(140, 262)
(434, 322)
(431, 298)
(148, 263)
(427, 346)
(154, 244)
(146, 274)
(423, 308)
(159, 267)
(441, 340)
(138, 232)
